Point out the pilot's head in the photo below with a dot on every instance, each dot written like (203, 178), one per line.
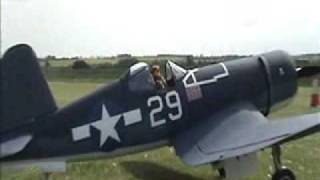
(155, 70)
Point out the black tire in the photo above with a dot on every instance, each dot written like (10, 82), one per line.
(283, 174)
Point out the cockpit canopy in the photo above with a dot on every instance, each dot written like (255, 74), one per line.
(141, 80)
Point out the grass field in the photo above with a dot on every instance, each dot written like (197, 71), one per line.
(303, 156)
(68, 63)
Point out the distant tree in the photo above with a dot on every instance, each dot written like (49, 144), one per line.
(75, 58)
(156, 62)
(50, 57)
(47, 64)
(127, 62)
(190, 62)
(200, 62)
(80, 64)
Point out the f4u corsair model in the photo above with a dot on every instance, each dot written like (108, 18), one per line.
(211, 115)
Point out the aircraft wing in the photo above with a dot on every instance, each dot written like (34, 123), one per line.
(237, 131)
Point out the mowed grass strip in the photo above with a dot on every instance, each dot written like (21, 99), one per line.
(67, 92)
(303, 156)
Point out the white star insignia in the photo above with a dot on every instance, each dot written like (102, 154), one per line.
(106, 125)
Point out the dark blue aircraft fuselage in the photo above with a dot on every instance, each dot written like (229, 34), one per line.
(129, 113)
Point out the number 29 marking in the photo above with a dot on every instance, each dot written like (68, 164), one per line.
(172, 99)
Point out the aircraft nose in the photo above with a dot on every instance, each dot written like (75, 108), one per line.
(282, 75)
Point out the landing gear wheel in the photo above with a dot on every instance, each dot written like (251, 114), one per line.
(283, 174)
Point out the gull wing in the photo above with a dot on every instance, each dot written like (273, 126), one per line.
(237, 131)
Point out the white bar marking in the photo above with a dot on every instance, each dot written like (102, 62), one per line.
(132, 117)
(80, 132)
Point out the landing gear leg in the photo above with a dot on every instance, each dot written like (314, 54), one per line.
(281, 172)
(221, 171)
(46, 176)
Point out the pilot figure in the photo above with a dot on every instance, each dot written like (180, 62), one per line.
(157, 77)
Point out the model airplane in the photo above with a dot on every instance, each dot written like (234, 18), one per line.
(211, 115)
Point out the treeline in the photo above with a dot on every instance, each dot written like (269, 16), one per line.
(187, 61)
(125, 62)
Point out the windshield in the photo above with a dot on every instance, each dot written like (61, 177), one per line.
(173, 70)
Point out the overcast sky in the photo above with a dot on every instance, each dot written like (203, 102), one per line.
(147, 27)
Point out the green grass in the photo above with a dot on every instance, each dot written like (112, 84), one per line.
(68, 63)
(303, 156)
(93, 75)
(67, 92)
(300, 103)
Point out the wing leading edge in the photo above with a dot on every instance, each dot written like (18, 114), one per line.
(237, 131)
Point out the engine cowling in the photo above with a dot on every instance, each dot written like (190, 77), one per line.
(281, 76)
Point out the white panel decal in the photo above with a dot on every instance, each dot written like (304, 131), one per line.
(214, 79)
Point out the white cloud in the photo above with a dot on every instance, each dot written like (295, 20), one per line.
(96, 27)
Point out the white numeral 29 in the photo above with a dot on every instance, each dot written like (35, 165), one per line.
(172, 101)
